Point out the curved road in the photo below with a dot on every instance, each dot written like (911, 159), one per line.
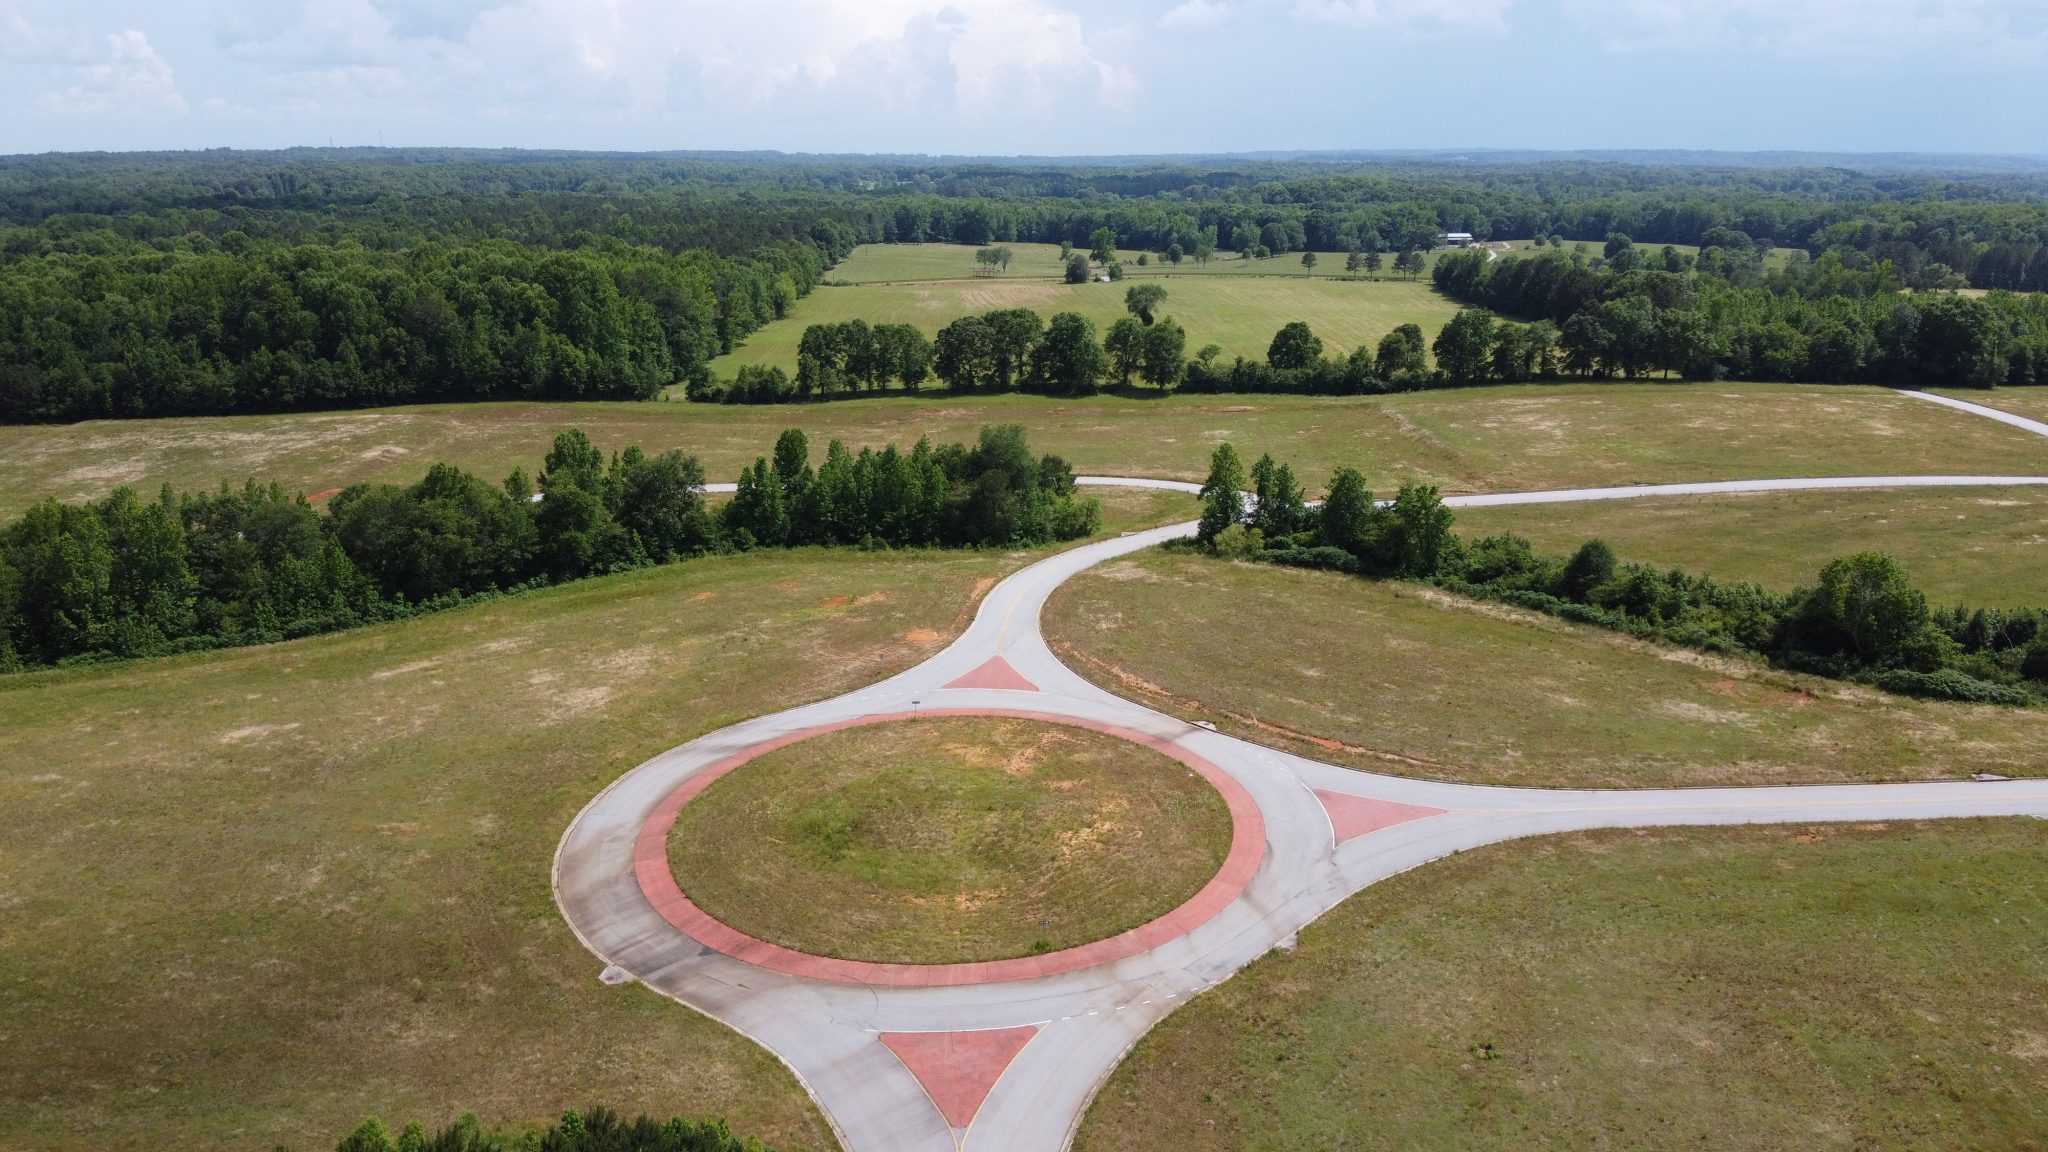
(906, 1064)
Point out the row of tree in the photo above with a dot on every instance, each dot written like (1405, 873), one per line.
(1002, 350)
(127, 577)
(260, 326)
(1830, 321)
(1862, 617)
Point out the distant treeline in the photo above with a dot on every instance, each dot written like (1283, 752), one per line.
(127, 577)
(1989, 227)
(148, 285)
(1861, 619)
(592, 1130)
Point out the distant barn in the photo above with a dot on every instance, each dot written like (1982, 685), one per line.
(1456, 240)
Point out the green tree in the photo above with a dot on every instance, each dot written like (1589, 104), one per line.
(1077, 269)
(1222, 494)
(1279, 506)
(1589, 567)
(1308, 263)
(661, 502)
(1864, 607)
(1348, 518)
(1162, 353)
(1402, 359)
(1102, 246)
(1124, 343)
(1068, 361)
(1464, 349)
(758, 513)
(1424, 524)
(964, 358)
(1143, 300)
(1294, 348)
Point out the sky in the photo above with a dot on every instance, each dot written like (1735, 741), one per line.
(1048, 77)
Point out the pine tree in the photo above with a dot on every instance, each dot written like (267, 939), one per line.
(1222, 494)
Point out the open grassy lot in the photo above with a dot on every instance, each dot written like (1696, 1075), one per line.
(1525, 436)
(249, 897)
(1986, 547)
(1406, 679)
(950, 840)
(1239, 313)
(1747, 989)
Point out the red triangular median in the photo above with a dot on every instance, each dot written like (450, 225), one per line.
(1355, 816)
(958, 1069)
(997, 673)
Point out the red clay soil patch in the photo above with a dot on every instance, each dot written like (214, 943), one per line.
(959, 1069)
(325, 494)
(835, 601)
(658, 882)
(921, 636)
(996, 673)
(1355, 816)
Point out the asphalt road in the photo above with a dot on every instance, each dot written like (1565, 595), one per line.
(1329, 831)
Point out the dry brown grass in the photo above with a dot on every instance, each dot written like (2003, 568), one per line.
(1407, 679)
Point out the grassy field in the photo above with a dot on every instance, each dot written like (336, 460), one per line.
(1986, 547)
(950, 840)
(253, 896)
(1741, 989)
(1238, 313)
(1406, 679)
(1526, 436)
(2029, 402)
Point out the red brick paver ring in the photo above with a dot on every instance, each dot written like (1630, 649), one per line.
(658, 882)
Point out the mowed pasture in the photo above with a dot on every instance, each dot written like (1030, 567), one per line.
(251, 897)
(1239, 314)
(1406, 679)
(1747, 989)
(1983, 547)
(2031, 403)
(1471, 440)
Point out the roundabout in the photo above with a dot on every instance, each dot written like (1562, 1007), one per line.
(1005, 1054)
(1109, 860)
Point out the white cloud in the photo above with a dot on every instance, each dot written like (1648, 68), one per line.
(1822, 28)
(1195, 14)
(1419, 15)
(634, 57)
(129, 77)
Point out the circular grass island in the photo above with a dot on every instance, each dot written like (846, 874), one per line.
(949, 840)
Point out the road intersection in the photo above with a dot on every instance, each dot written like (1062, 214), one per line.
(1005, 1058)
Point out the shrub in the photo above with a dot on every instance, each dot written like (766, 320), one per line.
(1949, 684)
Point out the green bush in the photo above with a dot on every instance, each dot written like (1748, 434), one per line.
(1949, 684)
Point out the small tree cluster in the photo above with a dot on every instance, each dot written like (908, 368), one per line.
(124, 577)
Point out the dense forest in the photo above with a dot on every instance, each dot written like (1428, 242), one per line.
(1861, 619)
(124, 577)
(159, 284)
